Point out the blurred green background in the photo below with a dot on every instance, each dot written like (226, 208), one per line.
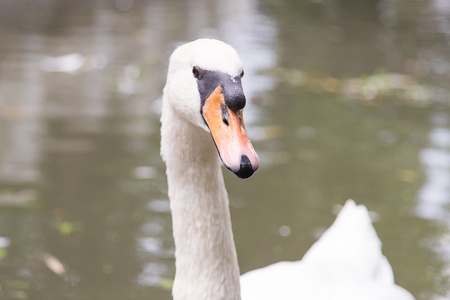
(347, 99)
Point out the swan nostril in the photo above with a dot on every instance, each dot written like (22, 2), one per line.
(245, 169)
(225, 116)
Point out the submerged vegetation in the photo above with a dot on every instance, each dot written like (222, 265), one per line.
(369, 89)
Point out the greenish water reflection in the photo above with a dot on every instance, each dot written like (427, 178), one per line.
(347, 100)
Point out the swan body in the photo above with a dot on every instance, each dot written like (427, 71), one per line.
(201, 126)
(345, 263)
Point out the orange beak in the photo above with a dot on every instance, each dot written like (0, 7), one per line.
(229, 134)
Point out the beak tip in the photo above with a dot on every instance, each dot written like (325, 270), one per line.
(246, 168)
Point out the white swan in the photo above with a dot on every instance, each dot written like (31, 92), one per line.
(202, 116)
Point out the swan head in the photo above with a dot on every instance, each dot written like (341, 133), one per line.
(204, 86)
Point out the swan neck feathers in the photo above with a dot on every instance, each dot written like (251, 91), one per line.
(206, 259)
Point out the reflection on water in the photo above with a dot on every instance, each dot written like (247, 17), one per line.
(435, 193)
(347, 100)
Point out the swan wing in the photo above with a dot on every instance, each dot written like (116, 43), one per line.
(350, 248)
(345, 263)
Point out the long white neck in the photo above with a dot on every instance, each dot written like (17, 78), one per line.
(206, 260)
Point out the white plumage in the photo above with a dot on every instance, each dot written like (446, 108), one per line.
(345, 263)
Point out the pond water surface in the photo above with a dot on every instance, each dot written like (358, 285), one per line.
(347, 99)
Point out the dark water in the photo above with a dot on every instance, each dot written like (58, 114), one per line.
(348, 99)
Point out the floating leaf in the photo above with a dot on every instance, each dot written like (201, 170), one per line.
(53, 263)
(165, 283)
(3, 253)
(66, 228)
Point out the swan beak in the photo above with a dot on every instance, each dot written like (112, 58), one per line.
(229, 134)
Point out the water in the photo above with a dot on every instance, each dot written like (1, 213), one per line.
(347, 100)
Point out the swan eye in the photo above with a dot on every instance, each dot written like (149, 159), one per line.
(196, 72)
(242, 73)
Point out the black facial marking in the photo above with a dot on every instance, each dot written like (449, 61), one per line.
(233, 93)
(208, 81)
(225, 116)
